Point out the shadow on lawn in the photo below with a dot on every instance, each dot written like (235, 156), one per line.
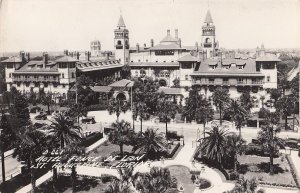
(261, 167)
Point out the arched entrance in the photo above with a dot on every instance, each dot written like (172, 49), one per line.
(162, 82)
(121, 97)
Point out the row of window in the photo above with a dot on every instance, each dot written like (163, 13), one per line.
(66, 65)
(36, 84)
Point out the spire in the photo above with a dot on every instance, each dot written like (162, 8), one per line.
(121, 22)
(208, 18)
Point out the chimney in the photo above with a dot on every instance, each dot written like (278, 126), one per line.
(66, 52)
(152, 43)
(179, 42)
(176, 33)
(45, 59)
(145, 45)
(22, 56)
(77, 55)
(197, 46)
(168, 32)
(28, 56)
(107, 55)
(137, 47)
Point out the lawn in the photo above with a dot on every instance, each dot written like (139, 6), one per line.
(82, 185)
(183, 177)
(258, 167)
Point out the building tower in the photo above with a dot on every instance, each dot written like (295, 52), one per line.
(122, 42)
(209, 44)
(96, 48)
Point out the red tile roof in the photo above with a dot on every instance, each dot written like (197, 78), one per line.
(188, 58)
(268, 58)
(12, 59)
(154, 64)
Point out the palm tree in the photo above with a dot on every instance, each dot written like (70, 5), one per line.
(46, 99)
(78, 110)
(204, 114)
(151, 143)
(245, 186)
(125, 174)
(267, 136)
(64, 129)
(117, 186)
(141, 110)
(121, 134)
(221, 100)
(214, 145)
(117, 106)
(166, 110)
(247, 102)
(30, 145)
(235, 145)
(285, 105)
(238, 114)
(157, 180)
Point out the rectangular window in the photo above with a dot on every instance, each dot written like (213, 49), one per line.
(268, 78)
(62, 75)
(9, 75)
(186, 77)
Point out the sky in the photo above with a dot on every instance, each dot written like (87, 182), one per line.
(56, 25)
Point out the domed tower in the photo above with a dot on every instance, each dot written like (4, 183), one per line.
(209, 43)
(122, 42)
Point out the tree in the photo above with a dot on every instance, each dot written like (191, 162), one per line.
(275, 94)
(237, 114)
(125, 174)
(166, 110)
(176, 83)
(65, 129)
(20, 111)
(285, 105)
(151, 143)
(221, 100)
(204, 113)
(30, 145)
(121, 134)
(214, 145)
(235, 145)
(126, 72)
(84, 80)
(157, 180)
(7, 136)
(246, 101)
(73, 178)
(141, 110)
(117, 186)
(193, 102)
(117, 106)
(46, 100)
(245, 186)
(267, 136)
(78, 110)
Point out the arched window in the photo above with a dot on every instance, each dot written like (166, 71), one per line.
(207, 40)
(119, 42)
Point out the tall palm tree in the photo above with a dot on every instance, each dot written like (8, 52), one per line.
(166, 110)
(221, 100)
(267, 136)
(141, 110)
(245, 186)
(204, 114)
(121, 134)
(31, 144)
(125, 174)
(65, 129)
(151, 143)
(157, 180)
(117, 106)
(238, 114)
(285, 105)
(235, 145)
(214, 145)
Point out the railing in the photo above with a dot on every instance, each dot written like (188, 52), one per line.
(206, 82)
(119, 46)
(207, 45)
(35, 79)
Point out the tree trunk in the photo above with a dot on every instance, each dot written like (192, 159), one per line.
(3, 164)
(285, 122)
(204, 129)
(220, 114)
(166, 128)
(235, 162)
(48, 106)
(121, 150)
(62, 144)
(271, 162)
(141, 125)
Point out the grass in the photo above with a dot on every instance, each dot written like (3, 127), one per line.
(258, 167)
(82, 185)
(106, 149)
(183, 177)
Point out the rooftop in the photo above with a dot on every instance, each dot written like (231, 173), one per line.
(122, 83)
(154, 64)
(268, 58)
(92, 65)
(208, 18)
(66, 59)
(12, 59)
(38, 66)
(188, 58)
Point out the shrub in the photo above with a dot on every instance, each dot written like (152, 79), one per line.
(261, 191)
(173, 135)
(294, 173)
(89, 140)
(96, 107)
(35, 109)
(233, 175)
(172, 153)
(107, 178)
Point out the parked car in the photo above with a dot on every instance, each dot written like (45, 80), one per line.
(88, 120)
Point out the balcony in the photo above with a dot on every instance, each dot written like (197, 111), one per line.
(119, 46)
(40, 79)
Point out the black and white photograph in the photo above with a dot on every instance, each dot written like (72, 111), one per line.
(149, 96)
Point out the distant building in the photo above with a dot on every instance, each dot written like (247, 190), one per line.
(95, 48)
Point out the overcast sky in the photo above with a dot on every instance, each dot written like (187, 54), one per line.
(55, 25)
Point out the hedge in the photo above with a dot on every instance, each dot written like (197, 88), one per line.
(170, 155)
(91, 139)
(96, 107)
